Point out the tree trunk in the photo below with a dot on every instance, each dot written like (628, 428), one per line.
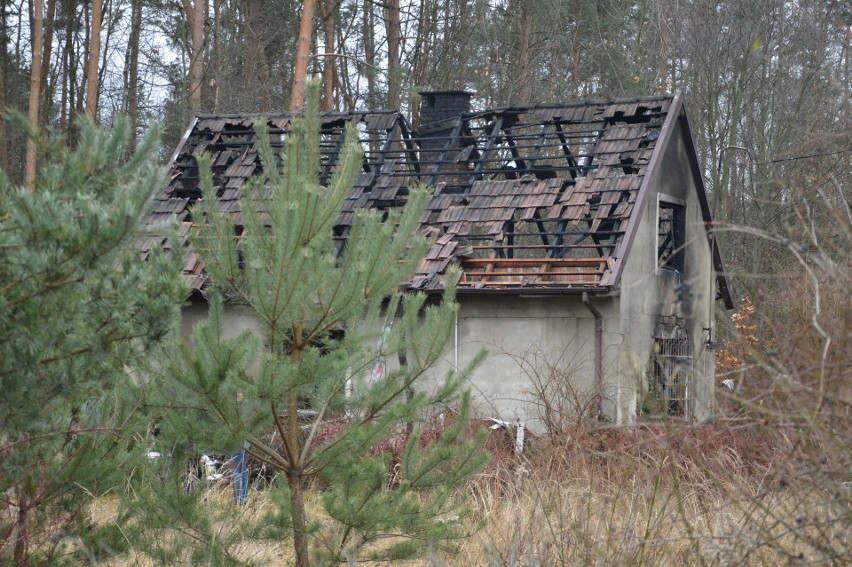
(92, 64)
(133, 71)
(255, 47)
(195, 12)
(105, 42)
(80, 105)
(217, 54)
(294, 471)
(68, 76)
(416, 56)
(370, 53)
(303, 55)
(524, 53)
(37, 18)
(5, 158)
(393, 32)
(45, 94)
(20, 549)
(327, 14)
(347, 93)
(297, 515)
(4, 129)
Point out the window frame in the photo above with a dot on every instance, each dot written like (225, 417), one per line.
(677, 262)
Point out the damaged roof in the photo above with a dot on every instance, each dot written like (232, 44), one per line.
(533, 199)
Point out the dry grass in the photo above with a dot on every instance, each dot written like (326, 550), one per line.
(587, 519)
(648, 496)
(219, 502)
(660, 496)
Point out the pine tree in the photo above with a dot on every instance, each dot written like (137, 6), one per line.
(327, 317)
(79, 309)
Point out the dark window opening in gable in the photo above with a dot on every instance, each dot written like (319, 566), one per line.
(671, 236)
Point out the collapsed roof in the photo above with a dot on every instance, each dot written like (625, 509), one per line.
(534, 199)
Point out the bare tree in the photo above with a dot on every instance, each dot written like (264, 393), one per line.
(525, 10)
(255, 47)
(5, 158)
(303, 55)
(45, 94)
(93, 59)
(368, 33)
(327, 9)
(196, 12)
(216, 52)
(392, 28)
(68, 87)
(131, 104)
(37, 34)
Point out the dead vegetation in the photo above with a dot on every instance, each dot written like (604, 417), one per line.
(715, 494)
(718, 494)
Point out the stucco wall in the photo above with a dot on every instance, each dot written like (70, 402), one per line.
(647, 292)
(237, 319)
(529, 341)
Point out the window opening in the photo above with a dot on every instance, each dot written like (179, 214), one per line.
(671, 235)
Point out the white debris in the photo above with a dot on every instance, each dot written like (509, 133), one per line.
(519, 427)
(519, 437)
(211, 466)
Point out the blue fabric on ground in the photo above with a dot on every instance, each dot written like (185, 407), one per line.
(241, 480)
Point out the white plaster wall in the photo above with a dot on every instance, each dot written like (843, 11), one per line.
(525, 338)
(645, 293)
(237, 319)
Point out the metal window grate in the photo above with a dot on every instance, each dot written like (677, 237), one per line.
(673, 371)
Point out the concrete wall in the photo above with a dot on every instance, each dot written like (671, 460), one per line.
(237, 319)
(647, 292)
(529, 341)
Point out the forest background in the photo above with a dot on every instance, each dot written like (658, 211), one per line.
(767, 82)
(768, 87)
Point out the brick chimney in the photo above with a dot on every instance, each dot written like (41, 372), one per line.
(437, 106)
(438, 113)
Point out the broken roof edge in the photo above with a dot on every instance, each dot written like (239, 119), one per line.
(283, 113)
(626, 244)
(554, 105)
(520, 291)
(473, 113)
(722, 279)
(676, 111)
(192, 124)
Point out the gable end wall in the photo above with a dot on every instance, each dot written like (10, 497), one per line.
(647, 293)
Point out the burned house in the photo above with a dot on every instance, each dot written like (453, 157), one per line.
(581, 232)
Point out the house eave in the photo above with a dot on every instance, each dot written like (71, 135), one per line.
(521, 291)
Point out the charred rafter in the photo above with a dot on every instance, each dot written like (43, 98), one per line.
(523, 197)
